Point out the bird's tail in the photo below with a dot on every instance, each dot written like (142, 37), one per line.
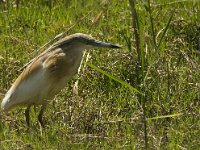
(6, 104)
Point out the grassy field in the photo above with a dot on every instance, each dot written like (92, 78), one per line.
(107, 113)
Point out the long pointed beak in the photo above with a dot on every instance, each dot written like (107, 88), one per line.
(97, 43)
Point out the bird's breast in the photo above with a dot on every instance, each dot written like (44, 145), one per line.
(60, 68)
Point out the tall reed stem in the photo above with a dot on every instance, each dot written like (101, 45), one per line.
(140, 70)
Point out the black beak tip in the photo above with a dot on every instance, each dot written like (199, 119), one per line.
(115, 46)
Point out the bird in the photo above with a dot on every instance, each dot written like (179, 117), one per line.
(47, 74)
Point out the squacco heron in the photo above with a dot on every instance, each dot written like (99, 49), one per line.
(46, 74)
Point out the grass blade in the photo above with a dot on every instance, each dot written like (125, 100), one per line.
(148, 8)
(114, 78)
(166, 116)
(166, 28)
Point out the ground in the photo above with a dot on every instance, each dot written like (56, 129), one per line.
(106, 111)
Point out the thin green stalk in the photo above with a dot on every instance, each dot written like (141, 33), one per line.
(159, 43)
(165, 29)
(140, 67)
(148, 8)
(136, 29)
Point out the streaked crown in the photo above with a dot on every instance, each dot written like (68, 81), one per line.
(84, 39)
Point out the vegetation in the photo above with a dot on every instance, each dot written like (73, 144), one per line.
(143, 96)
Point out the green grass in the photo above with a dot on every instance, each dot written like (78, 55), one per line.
(107, 112)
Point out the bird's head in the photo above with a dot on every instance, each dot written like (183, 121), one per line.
(85, 41)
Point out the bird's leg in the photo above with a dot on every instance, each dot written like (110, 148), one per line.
(27, 116)
(40, 115)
